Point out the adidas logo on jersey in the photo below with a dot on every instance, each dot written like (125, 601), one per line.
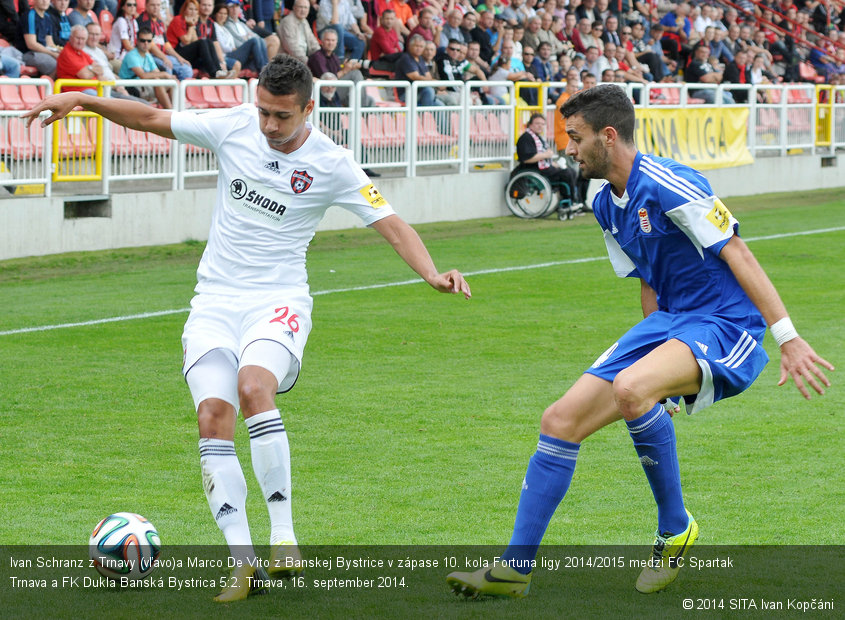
(647, 462)
(703, 347)
(225, 509)
(273, 166)
(277, 497)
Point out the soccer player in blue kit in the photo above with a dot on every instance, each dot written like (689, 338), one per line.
(706, 303)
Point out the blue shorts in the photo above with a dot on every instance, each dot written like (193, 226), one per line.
(731, 356)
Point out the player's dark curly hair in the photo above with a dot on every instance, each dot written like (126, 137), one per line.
(605, 105)
(285, 75)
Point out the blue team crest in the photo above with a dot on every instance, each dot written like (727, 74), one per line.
(300, 180)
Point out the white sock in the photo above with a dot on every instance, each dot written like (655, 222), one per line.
(271, 463)
(225, 488)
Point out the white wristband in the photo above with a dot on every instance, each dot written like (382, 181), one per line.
(783, 331)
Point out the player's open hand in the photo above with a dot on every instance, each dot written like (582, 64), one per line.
(452, 282)
(60, 105)
(799, 361)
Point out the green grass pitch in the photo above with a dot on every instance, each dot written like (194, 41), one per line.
(415, 413)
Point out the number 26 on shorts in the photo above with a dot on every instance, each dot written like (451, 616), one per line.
(283, 318)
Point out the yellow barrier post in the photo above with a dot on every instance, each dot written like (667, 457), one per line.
(77, 147)
(824, 115)
(520, 107)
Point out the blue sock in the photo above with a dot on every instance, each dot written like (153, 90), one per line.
(546, 481)
(654, 439)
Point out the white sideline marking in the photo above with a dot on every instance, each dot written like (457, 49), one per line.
(574, 261)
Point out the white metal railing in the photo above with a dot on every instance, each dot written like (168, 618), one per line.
(25, 153)
(382, 123)
(838, 120)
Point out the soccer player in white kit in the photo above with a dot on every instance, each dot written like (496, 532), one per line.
(251, 316)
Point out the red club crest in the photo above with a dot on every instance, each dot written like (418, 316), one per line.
(300, 180)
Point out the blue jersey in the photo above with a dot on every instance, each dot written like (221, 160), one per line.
(668, 229)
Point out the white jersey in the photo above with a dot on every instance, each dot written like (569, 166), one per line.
(269, 203)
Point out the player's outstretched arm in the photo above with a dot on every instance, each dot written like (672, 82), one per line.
(132, 114)
(410, 247)
(797, 358)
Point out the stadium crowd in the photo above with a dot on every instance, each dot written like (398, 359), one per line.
(742, 41)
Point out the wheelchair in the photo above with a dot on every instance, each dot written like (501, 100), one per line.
(530, 195)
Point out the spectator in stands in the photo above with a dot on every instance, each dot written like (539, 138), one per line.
(295, 33)
(474, 56)
(533, 153)
(74, 63)
(738, 71)
(241, 30)
(650, 53)
(532, 27)
(546, 35)
(450, 66)
(701, 71)
(98, 54)
(342, 17)
(405, 18)
(758, 73)
(36, 39)
(595, 62)
(611, 31)
(676, 33)
(570, 27)
(167, 59)
(325, 60)
(452, 28)
(194, 46)
(57, 12)
(541, 64)
(251, 46)
(124, 31)
(582, 37)
(9, 18)
(715, 40)
(704, 18)
(426, 27)
(82, 14)
(410, 67)
(9, 67)
(468, 24)
(732, 40)
(250, 55)
(573, 85)
(587, 10)
(588, 80)
(483, 34)
(140, 64)
(262, 13)
(385, 39)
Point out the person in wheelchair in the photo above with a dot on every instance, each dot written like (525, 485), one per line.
(534, 154)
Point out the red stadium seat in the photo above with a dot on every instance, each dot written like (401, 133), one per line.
(106, 23)
(209, 94)
(430, 133)
(25, 143)
(391, 130)
(229, 95)
(157, 144)
(10, 98)
(496, 131)
(194, 97)
(128, 141)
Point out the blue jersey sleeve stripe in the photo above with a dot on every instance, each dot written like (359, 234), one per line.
(668, 184)
(666, 173)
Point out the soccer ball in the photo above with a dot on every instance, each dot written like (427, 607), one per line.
(124, 546)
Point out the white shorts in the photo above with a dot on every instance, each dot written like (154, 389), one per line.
(232, 322)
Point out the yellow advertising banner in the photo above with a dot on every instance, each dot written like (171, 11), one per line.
(703, 138)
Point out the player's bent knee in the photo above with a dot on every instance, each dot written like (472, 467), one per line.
(216, 419)
(558, 421)
(630, 400)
